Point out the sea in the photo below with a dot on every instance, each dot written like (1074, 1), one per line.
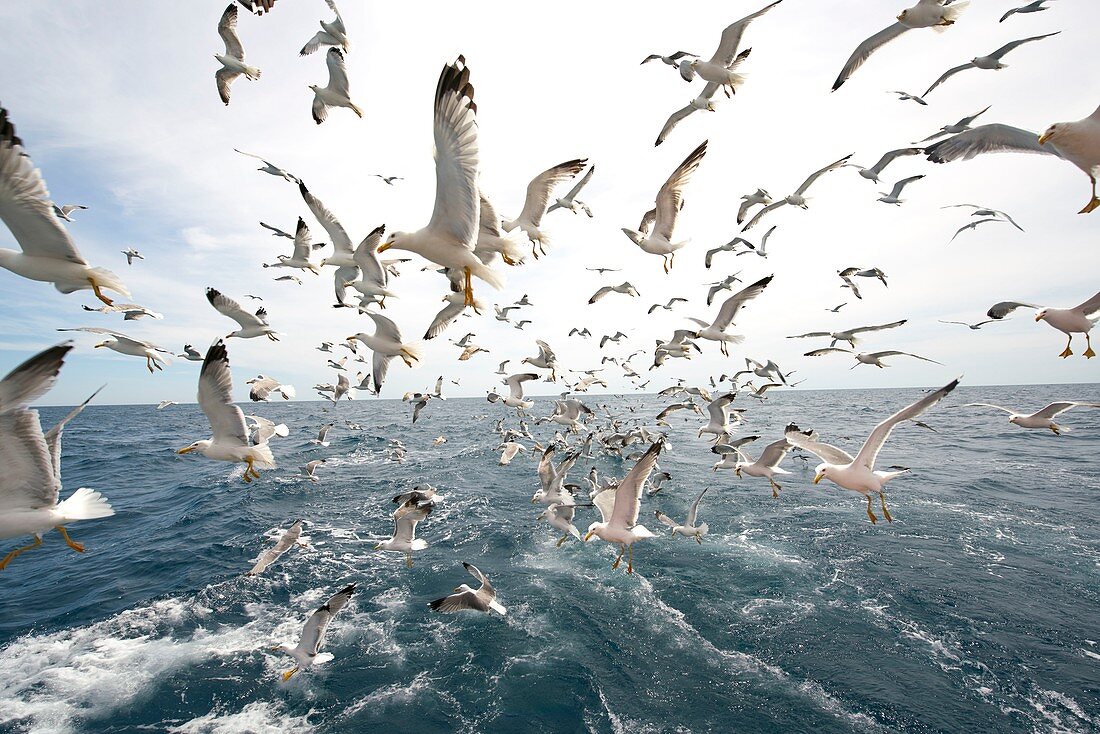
(976, 610)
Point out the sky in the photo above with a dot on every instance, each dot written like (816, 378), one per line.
(119, 110)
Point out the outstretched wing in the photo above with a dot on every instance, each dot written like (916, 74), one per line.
(867, 455)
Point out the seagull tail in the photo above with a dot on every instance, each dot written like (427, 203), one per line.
(703, 528)
(951, 13)
(262, 456)
(355, 109)
(104, 278)
(418, 544)
(502, 611)
(490, 276)
(85, 504)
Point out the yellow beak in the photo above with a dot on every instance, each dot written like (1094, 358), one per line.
(384, 246)
(351, 338)
(588, 535)
(186, 450)
(818, 477)
(1038, 317)
(1044, 138)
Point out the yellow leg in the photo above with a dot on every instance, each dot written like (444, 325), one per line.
(665, 261)
(630, 559)
(1088, 343)
(99, 293)
(563, 539)
(78, 547)
(408, 560)
(618, 558)
(775, 487)
(1056, 429)
(885, 512)
(289, 674)
(1093, 203)
(1067, 352)
(149, 364)
(8, 558)
(469, 289)
(382, 303)
(871, 514)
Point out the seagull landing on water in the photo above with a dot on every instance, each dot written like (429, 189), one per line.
(307, 652)
(31, 483)
(688, 529)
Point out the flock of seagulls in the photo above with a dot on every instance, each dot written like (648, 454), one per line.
(469, 244)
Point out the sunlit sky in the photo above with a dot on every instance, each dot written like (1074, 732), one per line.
(117, 106)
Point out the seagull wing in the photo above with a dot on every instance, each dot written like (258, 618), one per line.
(762, 212)
(879, 327)
(313, 633)
(337, 72)
(988, 405)
(864, 50)
(731, 37)
(538, 191)
(808, 442)
(867, 455)
(694, 511)
(728, 311)
(227, 29)
(889, 157)
(948, 74)
(489, 221)
(895, 353)
(827, 350)
(670, 197)
(674, 120)
(1000, 310)
(216, 398)
(457, 204)
(228, 307)
(302, 246)
(321, 38)
(336, 232)
(515, 383)
(580, 184)
(774, 453)
(366, 257)
(628, 494)
(818, 174)
(988, 139)
(1090, 307)
(1012, 45)
(1055, 408)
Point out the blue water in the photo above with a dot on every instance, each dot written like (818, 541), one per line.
(977, 610)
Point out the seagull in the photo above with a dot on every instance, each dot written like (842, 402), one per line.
(1077, 142)
(123, 344)
(973, 327)
(492, 240)
(858, 474)
(166, 404)
(769, 370)
(545, 360)
(749, 247)
(294, 278)
(925, 14)
(583, 333)
(230, 440)
(500, 369)
(873, 358)
(766, 466)
(1077, 320)
(233, 60)
(669, 198)
(252, 325)
(191, 354)
(336, 92)
(257, 6)
(409, 512)
(386, 344)
(64, 211)
(895, 193)
(601, 271)
(515, 397)
(263, 386)
(992, 62)
(309, 469)
(702, 102)
(1039, 419)
(261, 430)
(31, 483)
(534, 205)
(689, 529)
(873, 173)
(502, 313)
(973, 225)
(667, 306)
(274, 170)
(798, 198)
(617, 337)
(849, 335)
(570, 200)
(836, 309)
(619, 507)
(275, 231)
(719, 412)
(672, 59)
(511, 448)
(625, 288)
(719, 70)
(322, 435)
(299, 257)
(727, 312)
(307, 653)
(569, 413)
(760, 196)
(905, 97)
(373, 285)
(958, 127)
(129, 311)
(560, 515)
(985, 211)
(1032, 7)
(288, 539)
(47, 254)
(131, 254)
(388, 179)
(331, 34)
(482, 599)
(449, 238)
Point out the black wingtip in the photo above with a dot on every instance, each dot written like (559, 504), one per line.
(435, 604)
(349, 589)
(216, 353)
(211, 294)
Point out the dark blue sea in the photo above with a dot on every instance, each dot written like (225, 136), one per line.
(977, 610)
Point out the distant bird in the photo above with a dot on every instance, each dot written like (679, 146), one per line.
(798, 198)
(925, 14)
(294, 278)
(1032, 7)
(667, 306)
(482, 599)
(688, 529)
(252, 325)
(307, 652)
(515, 398)
(870, 358)
(973, 327)
(894, 197)
(131, 255)
(536, 200)
(957, 127)
(850, 334)
(502, 313)
(985, 211)
(1040, 419)
(727, 312)
(230, 440)
(672, 60)
(905, 97)
(669, 199)
(331, 34)
(127, 345)
(992, 62)
(972, 226)
(309, 469)
(1077, 142)
(191, 354)
(749, 247)
(288, 539)
(873, 173)
(336, 93)
(322, 435)
(299, 257)
(405, 518)
(601, 271)
(31, 483)
(625, 288)
(616, 337)
(388, 179)
(544, 360)
(64, 212)
(233, 60)
(836, 309)
(166, 404)
(748, 201)
(262, 386)
(386, 343)
(511, 448)
(858, 474)
(570, 200)
(583, 333)
(129, 311)
(274, 170)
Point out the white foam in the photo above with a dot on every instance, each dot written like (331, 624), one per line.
(258, 717)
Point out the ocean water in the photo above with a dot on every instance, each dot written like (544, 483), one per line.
(977, 610)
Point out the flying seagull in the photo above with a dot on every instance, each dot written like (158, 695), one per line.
(233, 60)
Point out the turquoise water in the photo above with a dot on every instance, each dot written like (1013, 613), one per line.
(978, 609)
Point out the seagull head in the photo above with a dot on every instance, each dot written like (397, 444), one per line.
(395, 240)
(314, 87)
(1049, 133)
(822, 472)
(107, 343)
(903, 15)
(196, 446)
(1038, 317)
